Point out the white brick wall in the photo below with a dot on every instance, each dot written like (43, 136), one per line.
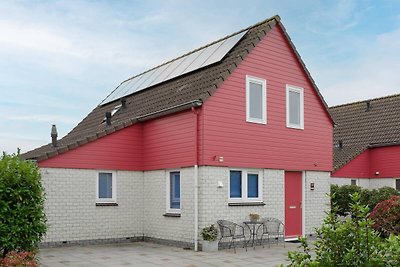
(317, 200)
(71, 211)
(372, 183)
(141, 197)
(381, 182)
(158, 226)
(213, 201)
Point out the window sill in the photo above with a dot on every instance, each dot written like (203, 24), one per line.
(241, 204)
(296, 127)
(172, 215)
(106, 204)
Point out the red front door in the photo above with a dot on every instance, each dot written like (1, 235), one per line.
(293, 198)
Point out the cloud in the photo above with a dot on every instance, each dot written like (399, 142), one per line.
(40, 118)
(11, 144)
(373, 73)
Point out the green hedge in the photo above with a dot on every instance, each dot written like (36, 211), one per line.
(341, 196)
(22, 218)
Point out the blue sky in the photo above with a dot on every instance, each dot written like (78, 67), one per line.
(59, 59)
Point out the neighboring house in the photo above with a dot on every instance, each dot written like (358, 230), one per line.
(367, 143)
(234, 127)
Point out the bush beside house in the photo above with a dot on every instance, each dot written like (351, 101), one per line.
(386, 216)
(22, 218)
(350, 242)
(368, 197)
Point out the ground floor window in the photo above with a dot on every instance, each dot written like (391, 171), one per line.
(174, 192)
(106, 187)
(353, 182)
(245, 186)
(398, 184)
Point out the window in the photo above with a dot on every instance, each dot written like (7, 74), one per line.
(353, 182)
(294, 107)
(256, 100)
(174, 192)
(398, 184)
(106, 187)
(245, 186)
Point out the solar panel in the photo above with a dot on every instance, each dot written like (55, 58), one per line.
(191, 62)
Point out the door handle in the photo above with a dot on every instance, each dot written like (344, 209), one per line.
(292, 207)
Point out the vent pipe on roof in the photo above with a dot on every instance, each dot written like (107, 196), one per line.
(54, 135)
(108, 118)
(123, 103)
(368, 106)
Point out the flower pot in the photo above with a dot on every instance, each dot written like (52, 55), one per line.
(209, 246)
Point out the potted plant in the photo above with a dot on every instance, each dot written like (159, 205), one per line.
(254, 217)
(210, 242)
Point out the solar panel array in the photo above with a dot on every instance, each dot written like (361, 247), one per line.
(191, 62)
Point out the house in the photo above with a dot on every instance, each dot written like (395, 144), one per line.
(367, 143)
(234, 127)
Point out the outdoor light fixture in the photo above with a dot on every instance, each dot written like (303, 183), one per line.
(312, 186)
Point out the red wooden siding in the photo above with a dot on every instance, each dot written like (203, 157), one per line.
(121, 150)
(385, 160)
(169, 141)
(357, 168)
(243, 144)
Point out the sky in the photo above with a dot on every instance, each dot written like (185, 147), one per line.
(59, 59)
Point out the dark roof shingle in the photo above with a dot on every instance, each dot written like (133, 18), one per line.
(361, 125)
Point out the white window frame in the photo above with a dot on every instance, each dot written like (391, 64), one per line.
(300, 90)
(244, 198)
(113, 184)
(263, 82)
(168, 192)
(395, 181)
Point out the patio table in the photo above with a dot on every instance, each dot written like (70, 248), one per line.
(253, 227)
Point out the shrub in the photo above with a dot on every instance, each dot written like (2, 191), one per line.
(381, 194)
(19, 259)
(386, 216)
(342, 197)
(209, 233)
(22, 218)
(368, 197)
(352, 242)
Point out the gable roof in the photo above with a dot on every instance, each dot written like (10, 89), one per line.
(361, 125)
(168, 97)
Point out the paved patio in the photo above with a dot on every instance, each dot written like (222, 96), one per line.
(145, 254)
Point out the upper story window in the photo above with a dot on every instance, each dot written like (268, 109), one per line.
(294, 107)
(256, 100)
(106, 187)
(174, 192)
(245, 186)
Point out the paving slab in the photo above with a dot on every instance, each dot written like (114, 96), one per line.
(145, 254)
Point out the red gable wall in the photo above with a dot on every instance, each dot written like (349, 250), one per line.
(243, 144)
(121, 150)
(357, 168)
(384, 160)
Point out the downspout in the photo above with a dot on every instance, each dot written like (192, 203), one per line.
(196, 176)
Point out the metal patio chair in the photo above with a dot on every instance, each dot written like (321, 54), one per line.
(272, 228)
(233, 231)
